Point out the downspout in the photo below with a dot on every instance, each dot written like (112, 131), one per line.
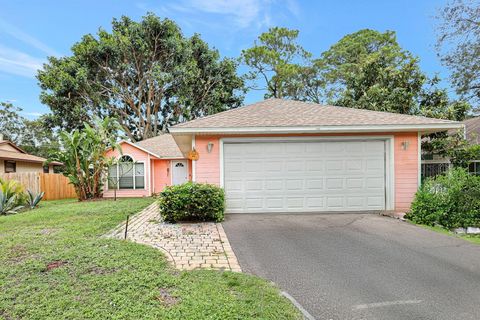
(419, 147)
(194, 162)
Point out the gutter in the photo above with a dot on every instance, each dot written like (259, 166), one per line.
(319, 129)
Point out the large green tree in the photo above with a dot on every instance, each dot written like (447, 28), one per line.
(34, 136)
(274, 60)
(11, 122)
(146, 74)
(369, 70)
(459, 46)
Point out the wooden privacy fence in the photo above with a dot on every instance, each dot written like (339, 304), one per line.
(56, 186)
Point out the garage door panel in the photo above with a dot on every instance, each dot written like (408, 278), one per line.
(316, 203)
(274, 184)
(336, 165)
(304, 176)
(354, 183)
(294, 184)
(334, 184)
(295, 203)
(254, 203)
(335, 203)
(314, 165)
(354, 165)
(274, 203)
(274, 166)
(332, 149)
(355, 202)
(314, 184)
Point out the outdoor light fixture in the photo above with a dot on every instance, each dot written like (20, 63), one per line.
(209, 147)
(405, 145)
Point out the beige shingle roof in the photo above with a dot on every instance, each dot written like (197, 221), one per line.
(472, 128)
(11, 155)
(163, 146)
(290, 113)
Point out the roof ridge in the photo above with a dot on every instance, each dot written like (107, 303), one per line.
(367, 110)
(226, 111)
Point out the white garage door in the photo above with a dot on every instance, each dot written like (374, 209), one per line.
(304, 176)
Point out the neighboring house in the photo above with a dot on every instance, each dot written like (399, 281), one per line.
(15, 160)
(472, 134)
(472, 130)
(434, 164)
(289, 156)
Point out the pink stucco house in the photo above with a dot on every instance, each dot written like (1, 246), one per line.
(290, 156)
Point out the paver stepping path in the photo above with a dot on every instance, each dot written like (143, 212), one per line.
(187, 245)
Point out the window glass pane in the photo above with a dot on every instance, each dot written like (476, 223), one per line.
(112, 171)
(112, 177)
(125, 183)
(471, 167)
(125, 174)
(126, 159)
(125, 170)
(10, 166)
(139, 176)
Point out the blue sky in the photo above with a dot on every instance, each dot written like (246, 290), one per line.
(32, 30)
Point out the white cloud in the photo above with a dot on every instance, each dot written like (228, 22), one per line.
(244, 12)
(18, 34)
(241, 13)
(18, 63)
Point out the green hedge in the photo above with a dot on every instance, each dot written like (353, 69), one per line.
(192, 202)
(451, 200)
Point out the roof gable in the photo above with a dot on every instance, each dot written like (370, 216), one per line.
(163, 146)
(10, 146)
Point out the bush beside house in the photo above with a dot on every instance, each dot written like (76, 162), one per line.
(192, 202)
(451, 200)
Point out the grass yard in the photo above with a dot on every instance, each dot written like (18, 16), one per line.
(469, 237)
(55, 265)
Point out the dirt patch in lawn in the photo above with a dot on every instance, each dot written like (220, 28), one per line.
(55, 264)
(167, 299)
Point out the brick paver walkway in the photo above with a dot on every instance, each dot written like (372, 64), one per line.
(187, 245)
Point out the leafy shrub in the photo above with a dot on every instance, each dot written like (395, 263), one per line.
(192, 202)
(34, 199)
(451, 200)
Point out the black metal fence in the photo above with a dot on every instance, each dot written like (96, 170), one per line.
(431, 168)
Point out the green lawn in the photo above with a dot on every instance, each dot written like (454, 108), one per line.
(54, 265)
(468, 237)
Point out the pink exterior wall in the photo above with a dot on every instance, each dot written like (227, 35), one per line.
(138, 156)
(161, 175)
(208, 165)
(406, 170)
(405, 161)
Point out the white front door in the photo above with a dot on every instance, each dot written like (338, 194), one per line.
(304, 176)
(179, 172)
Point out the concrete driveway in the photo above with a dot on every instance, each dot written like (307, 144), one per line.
(360, 266)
